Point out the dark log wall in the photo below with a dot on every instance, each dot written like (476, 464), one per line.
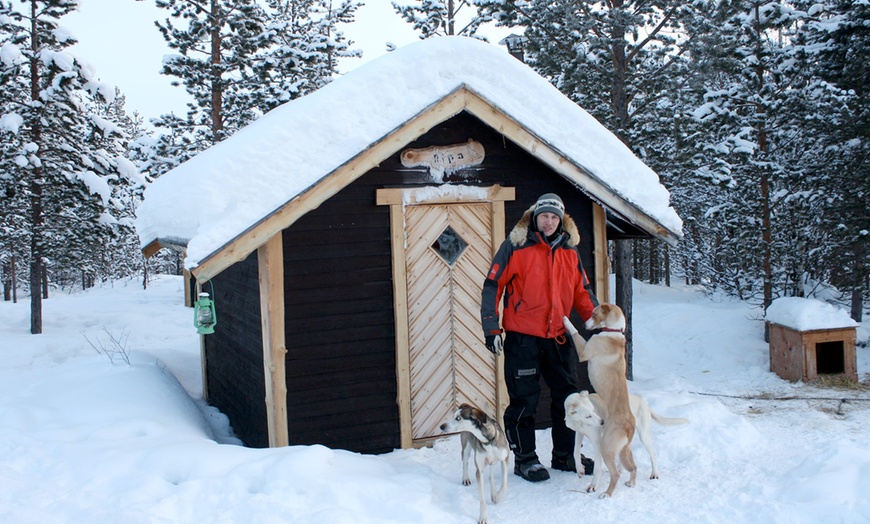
(234, 353)
(340, 334)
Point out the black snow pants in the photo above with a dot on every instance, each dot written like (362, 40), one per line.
(526, 360)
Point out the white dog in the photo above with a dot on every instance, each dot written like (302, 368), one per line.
(482, 434)
(605, 353)
(585, 413)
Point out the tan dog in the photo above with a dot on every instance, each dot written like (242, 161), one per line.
(606, 355)
(585, 414)
(483, 435)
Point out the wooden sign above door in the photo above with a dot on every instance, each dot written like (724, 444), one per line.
(444, 159)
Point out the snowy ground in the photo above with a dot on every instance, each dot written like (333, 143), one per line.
(86, 440)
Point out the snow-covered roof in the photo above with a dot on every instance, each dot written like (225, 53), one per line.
(217, 195)
(807, 314)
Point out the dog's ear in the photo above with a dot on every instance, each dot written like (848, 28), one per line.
(479, 415)
(584, 394)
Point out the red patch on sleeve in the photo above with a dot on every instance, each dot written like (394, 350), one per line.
(493, 272)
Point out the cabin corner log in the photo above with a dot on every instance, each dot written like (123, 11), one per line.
(271, 279)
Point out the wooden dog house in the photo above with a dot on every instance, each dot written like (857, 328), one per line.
(808, 339)
(345, 236)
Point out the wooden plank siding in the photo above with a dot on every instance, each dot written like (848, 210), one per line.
(234, 353)
(339, 324)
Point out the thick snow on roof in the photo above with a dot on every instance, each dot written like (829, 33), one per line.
(215, 196)
(807, 314)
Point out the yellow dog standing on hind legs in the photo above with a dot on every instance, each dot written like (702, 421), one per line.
(605, 352)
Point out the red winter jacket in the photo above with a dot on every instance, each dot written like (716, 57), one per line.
(541, 284)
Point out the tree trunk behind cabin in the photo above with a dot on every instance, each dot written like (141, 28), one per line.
(622, 267)
(14, 281)
(36, 216)
(667, 266)
(7, 281)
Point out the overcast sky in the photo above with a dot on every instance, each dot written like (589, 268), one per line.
(119, 38)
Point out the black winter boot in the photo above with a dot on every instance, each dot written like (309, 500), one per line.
(563, 462)
(532, 470)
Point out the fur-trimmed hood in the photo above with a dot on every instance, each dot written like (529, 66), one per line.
(520, 233)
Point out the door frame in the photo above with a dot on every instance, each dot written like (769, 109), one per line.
(397, 199)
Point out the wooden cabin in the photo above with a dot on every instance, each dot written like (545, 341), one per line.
(348, 301)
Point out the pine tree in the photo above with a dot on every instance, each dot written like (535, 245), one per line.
(439, 17)
(835, 52)
(119, 256)
(305, 45)
(754, 115)
(216, 41)
(48, 159)
(241, 58)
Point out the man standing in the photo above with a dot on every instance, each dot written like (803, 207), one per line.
(539, 272)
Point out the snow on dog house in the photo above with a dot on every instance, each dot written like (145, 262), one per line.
(347, 281)
(810, 338)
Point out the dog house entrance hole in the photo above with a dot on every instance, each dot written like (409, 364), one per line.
(830, 358)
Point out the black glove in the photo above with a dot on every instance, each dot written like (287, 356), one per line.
(494, 344)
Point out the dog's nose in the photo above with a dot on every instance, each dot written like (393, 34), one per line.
(443, 427)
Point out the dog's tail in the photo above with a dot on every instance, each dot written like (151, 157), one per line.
(668, 421)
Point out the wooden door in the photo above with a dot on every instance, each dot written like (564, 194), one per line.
(447, 257)
(442, 247)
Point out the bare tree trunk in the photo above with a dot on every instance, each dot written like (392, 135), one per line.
(35, 189)
(667, 266)
(635, 260)
(653, 262)
(217, 122)
(859, 283)
(144, 272)
(14, 280)
(7, 288)
(622, 268)
(36, 254)
(764, 182)
(622, 248)
(857, 304)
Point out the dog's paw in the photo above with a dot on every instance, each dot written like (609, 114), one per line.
(604, 496)
(591, 488)
(630, 483)
(653, 476)
(569, 326)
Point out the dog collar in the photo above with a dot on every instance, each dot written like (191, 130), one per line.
(610, 330)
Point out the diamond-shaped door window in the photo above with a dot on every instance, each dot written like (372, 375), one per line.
(449, 245)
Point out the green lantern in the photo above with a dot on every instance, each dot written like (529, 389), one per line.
(204, 316)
